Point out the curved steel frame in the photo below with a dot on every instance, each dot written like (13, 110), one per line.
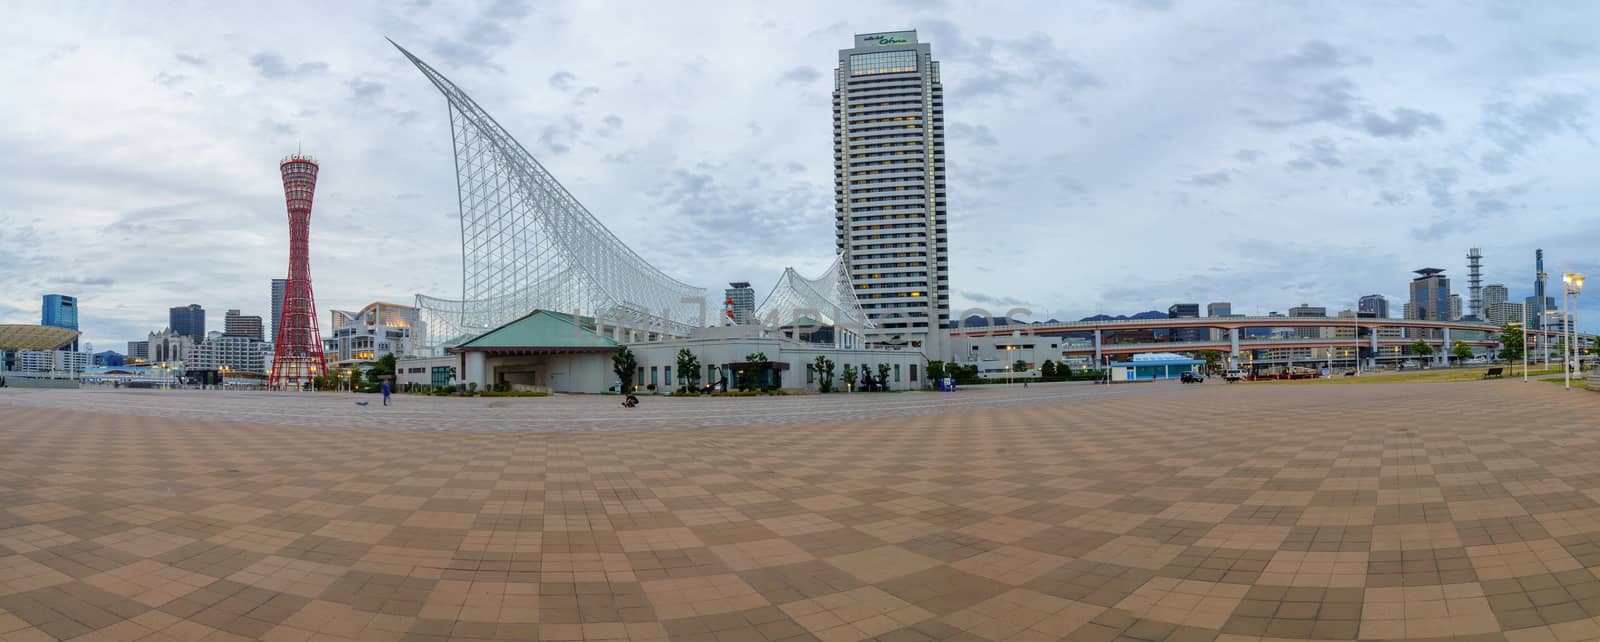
(527, 243)
(829, 299)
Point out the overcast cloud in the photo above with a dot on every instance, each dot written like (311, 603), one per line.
(1103, 156)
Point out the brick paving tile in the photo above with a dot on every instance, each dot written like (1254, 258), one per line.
(1159, 512)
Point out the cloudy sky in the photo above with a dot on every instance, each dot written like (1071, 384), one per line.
(1104, 156)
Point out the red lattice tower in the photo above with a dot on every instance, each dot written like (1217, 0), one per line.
(297, 352)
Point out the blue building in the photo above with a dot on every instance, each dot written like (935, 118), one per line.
(1154, 366)
(60, 311)
(109, 358)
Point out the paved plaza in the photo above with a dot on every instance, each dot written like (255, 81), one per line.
(1466, 511)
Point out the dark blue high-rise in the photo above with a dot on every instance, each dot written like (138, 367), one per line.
(60, 311)
(188, 320)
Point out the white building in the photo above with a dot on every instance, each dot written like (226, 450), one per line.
(360, 338)
(242, 354)
(52, 361)
(167, 346)
(552, 351)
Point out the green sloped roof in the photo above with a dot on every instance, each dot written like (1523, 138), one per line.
(541, 329)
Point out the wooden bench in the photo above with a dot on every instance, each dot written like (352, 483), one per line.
(1494, 373)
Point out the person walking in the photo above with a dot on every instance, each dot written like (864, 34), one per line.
(385, 393)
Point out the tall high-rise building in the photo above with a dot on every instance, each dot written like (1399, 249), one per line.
(889, 187)
(1374, 306)
(1430, 295)
(235, 324)
(278, 287)
(1219, 309)
(1455, 307)
(60, 311)
(1475, 283)
(1494, 293)
(188, 320)
(1306, 310)
(139, 350)
(1539, 305)
(1503, 312)
(741, 302)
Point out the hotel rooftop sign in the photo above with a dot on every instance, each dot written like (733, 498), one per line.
(886, 39)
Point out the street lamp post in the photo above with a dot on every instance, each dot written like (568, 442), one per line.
(1571, 285)
(1525, 329)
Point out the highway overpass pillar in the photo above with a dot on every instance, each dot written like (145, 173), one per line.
(1373, 335)
(1097, 362)
(1444, 350)
(1233, 352)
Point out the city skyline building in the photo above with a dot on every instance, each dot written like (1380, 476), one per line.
(741, 302)
(278, 288)
(1374, 306)
(168, 346)
(297, 351)
(139, 350)
(1306, 310)
(1540, 304)
(60, 311)
(188, 320)
(1504, 312)
(1474, 283)
(1430, 295)
(1219, 309)
(890, 216)
(235, 324)
(1494, 294)
(223, 352)
(1455, 307)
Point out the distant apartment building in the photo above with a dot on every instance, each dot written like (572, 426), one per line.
(1501, 313)
(1373, 306)
(361, 338)
(51, 360)
(223, 352)
(1183, 311)
(1306, 310)
(1494, 293)
(109, 358)
(235, 324)
(1409, 311)
(1455, 307)
(138, 350)
(1219, 309)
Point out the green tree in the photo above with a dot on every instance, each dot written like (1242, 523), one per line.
(688, 371)
(1461, 351)
(1421, 348)
(935, 371)
(1511, 342)
(1019, 366)
(624, 365)
(384, 366)
(1047, 369)
(883, 375)
(1213, 360)
(849, 375)
(823, 367)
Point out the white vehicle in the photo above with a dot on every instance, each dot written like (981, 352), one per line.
(1233, 375)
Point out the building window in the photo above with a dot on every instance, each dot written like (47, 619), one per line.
(913, 372)
(897, 373)
(653, 375)
(638, 379)
(666, 374)
(883, 62)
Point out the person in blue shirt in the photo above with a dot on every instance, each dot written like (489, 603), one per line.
(385, 393)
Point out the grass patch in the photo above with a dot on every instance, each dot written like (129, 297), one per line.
(1423, 376)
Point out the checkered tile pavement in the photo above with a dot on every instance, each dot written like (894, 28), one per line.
(1408, 511)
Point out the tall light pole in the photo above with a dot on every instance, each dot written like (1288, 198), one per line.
(1571, 285)
(1525, 341)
